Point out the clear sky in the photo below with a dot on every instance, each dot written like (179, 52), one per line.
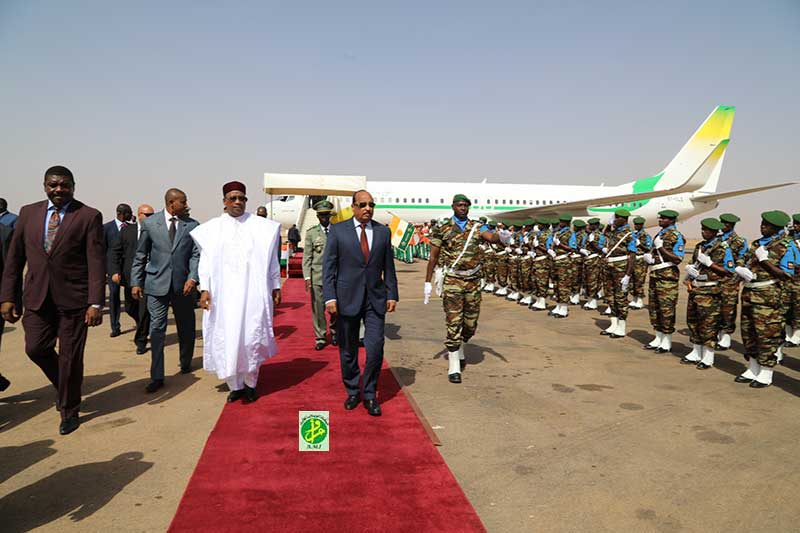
(137, 97)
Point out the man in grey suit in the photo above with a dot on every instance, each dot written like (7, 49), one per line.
(165, 271)
(359, 284)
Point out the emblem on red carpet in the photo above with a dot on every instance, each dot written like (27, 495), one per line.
(314, 431)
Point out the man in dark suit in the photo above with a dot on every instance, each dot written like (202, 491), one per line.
(5, 241)
(122, 255)
(111, 231)
(6, 218)
(61, 240)
(165, 270)
(359, 283)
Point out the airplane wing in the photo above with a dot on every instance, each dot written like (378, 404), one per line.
(740, 192)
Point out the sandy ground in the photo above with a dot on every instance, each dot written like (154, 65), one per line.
(555, 428)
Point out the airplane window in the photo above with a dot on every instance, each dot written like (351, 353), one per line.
(504, 202)
(427, 200)
(397, 200)
(412, 200)
(551, 202)
(537, 202)
(517, 202)
(476, 201)
(441, 200)
(405, 200)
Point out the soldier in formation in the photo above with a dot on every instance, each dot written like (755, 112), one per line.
(731, 284)
(644, 244)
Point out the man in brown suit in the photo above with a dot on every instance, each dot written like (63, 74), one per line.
(61, 240)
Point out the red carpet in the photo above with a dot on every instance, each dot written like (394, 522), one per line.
(381, 474)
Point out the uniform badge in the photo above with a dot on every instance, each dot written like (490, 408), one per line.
(730, 264)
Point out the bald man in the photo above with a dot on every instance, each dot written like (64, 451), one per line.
(122, 254)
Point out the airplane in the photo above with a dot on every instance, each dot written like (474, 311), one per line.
(688, 185)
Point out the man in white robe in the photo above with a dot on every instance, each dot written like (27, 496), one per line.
(240, 282)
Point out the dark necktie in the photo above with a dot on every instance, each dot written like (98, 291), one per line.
(364, 242)
(172, 229)
(326, 230)
(52, 228)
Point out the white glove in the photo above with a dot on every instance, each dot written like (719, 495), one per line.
(427, 291)
(745, 273)
(605, 250)
(762, 253)
(536, 242)
(648, 258)
(552, 253)
(624, 282)
(591, 237)
(525, 240)
(505, 236)
(692, 272)
(508, 249)
(703, 259)
(519, 251)
(556, 240)
(531, 254)
(584, 252)
(658, 242)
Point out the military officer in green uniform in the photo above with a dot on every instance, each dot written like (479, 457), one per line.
(591, 249)
(730, 285)
(662, 294)
(314, 249)
(456, 243)
(712, 262)
(767, 265)
(579, 231)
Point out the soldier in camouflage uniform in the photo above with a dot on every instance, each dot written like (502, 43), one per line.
(579, 230)
(712, 262)
(619, 255)
(644, 244)
(591, 249)
(662, 295)
(768, 264)
(490, 265)
(514, 257)
(456, 243)
(313, 251)
(730, 285)
(560, 246)
(792, 292)
(540, 275)
(526, 266)
(501, 252)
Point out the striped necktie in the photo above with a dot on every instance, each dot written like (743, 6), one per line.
(52, 228)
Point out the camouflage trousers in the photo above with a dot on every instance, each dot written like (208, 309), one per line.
(639, 278)
(662, 299)
(501, 270)
(525, 271)
(791, 302)
(461, 300)
(577, 274)
(729, 304)
(762, 323)
(489, 269)
(703, 315)
(513, 273)
(562, 282)
(592, 279)
(540, 277)
(616, 298)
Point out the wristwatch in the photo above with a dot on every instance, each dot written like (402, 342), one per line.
(97, 306)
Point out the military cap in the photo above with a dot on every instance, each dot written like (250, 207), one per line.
(579, 223)
(668, 213)
(433, 221)
(796, 217)
(482, 219)
(729, 217)
(712, 224)
(491, 223)
(624, 213)
(565, 217)
(776, 218)
(639, 220)
(594, 220)
(461, 198)
(323, 206)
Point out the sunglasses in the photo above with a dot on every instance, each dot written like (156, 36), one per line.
(362, 205)
(148, 214)
(237, 198)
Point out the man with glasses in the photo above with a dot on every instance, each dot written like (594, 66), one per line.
(240, 285)
(122, 254)
(359, 283)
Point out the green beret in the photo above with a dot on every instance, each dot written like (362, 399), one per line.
(483, 219)
(461, 198)
(594, 220)
(433, 221)
(796, 217)
(491, 223)
(639, 220)
(579, 223)
(729, 217)
(323, 206)
(776, 218)
(553, 221)
(566, 217)
(624, 213)
(712, 224)
(668, 213)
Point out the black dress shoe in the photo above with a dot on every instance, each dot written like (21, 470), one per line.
(186, 369)
(661, 350)
(235, 395)
(69, 425)
(372, 407)
(140, 350)
(351, 402)
(319, 345)
(615, 336)
(454, 378)
(154, 385)
(604, 332)
(685, 361)
(649, 347)
(115, 333)
(758, 385)
(250, 394)
(702, 366)
(4, 383)
(742, 379)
